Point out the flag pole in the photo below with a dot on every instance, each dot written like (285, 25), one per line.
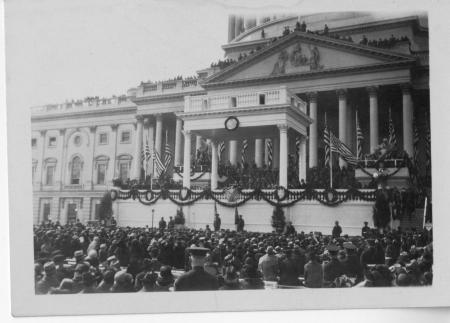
(331, 167)
(356, 133)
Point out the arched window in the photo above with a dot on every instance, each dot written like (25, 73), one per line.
(75, 174)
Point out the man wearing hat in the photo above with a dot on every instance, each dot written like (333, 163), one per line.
(269, 265)
(337, 230)
(352, 266)
(365, 231)
(333, 268)
(197, 278)
(49, 280)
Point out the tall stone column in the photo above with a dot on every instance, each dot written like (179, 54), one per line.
(40, 168)
(342, 94)
(313, 129)
(187, 159)
(259, 152)
(61, 160)
(238, 26)
(283, 169)
(158, 133)
(214, 165)
(138, 148)
(408, 115)
(91, 166)
(178, 139)
(233, 148)
(302, 159)
(373, 110)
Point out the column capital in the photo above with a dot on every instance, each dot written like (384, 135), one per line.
(406, 88)
(43, 133)
(62, 132)
(372, 90)
(312, 97)
(158, 116)
(341, 93)
(92, 129)
(283, 127)
(140, 118)
(114, 126)
(186, 132)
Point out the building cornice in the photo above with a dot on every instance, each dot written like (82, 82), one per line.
(313, 74)
(165, 97)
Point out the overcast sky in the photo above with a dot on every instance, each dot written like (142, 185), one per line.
(58, 50)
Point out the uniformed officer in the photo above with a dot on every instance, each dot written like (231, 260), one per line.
(197, 278)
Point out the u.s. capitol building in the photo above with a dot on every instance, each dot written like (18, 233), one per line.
(283, 79)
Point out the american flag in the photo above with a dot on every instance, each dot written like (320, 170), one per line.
(159, 166)
(146, 153)
(221, 149)
(269, 152)
(359, 139)
(339, 147)
(167, 156)
(243, 150)
(326, 141)
(416, 139)
(392, 135)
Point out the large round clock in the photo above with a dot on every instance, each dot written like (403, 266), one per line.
(231, 123)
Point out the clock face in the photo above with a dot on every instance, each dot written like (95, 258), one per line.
(232, 123)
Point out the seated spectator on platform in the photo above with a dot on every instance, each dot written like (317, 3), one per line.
(268, 265)
(313, 271)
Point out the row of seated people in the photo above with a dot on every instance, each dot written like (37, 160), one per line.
(80, 259)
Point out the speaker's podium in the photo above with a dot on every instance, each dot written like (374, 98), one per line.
(393, 171)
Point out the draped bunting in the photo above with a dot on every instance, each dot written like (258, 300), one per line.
(279, 197)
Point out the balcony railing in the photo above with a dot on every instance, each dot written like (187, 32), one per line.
(168, 87)
(81, 105)
(279, 96)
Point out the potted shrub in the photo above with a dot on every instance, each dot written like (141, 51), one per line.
(179, 220)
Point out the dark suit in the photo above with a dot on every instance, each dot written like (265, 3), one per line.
(332, 270)
(196, 279)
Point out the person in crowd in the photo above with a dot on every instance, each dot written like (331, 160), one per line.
(162, 224)
(268, 265)
(289, 229)
(107, 282)
(365, 231)
(240, 224)
(149, 282)
(337, 230)
(89, 284)
(197, 278)
(171, 224)
(313, 271)
(49, 279)
(123, 282)
(333, 268)
(165, 279)
(289, 272)
(217, 222)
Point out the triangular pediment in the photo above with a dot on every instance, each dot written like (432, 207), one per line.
(304, 53)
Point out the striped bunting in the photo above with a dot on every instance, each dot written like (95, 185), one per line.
(221, 149)
(269, 152)
(326, 141)
(416, 141)
(359, 139)
(167, 156)
(244, 150)
(392, 135)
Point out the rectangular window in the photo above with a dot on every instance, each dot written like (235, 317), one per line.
(52, 142)
(46, 212)
(33, 143)
(125, 137)
(233, 102)
(72, 213)
(101, 174)
(50, 173)
(103, 138)
(123, 171)
(262, 99)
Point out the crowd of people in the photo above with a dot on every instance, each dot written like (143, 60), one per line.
(78, 259)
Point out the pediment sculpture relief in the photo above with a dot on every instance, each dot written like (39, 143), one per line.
(297, 58)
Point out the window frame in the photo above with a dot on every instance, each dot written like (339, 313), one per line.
(100, 138)
(33, 143)
(129, 137)
(50, 141)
